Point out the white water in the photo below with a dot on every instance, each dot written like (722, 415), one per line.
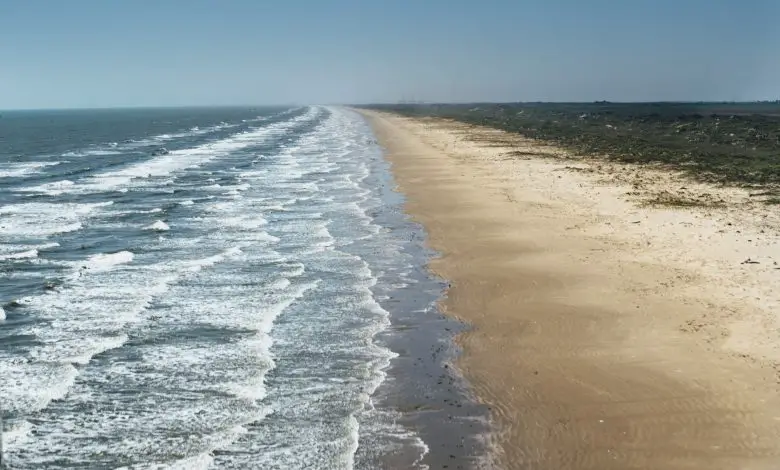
(17, 170)
(159, 226)
(248, 330)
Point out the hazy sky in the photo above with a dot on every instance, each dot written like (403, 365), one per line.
(96, 53)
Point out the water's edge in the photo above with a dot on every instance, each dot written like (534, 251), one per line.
(423, 382)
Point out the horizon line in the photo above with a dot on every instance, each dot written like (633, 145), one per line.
(382, 103)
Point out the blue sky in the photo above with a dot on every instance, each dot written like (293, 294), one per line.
(103, 53)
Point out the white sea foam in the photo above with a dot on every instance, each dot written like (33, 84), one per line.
(31, 386)
(75, 349)
(20, 255)
(162, 138)
(2, 314)
(40, 220)
(52, 208)
(106, 261)
(159, 226)
(172, 162)
(200, 461)
(16, 170)
(86, 317)
(100, 152)
(16, 434)
(212, 421)
(187, 158)
(53, 189)
(22, 252)
(246, 223)
(114, 148)
(156, 210)
(198, 264)
(188, 202)
(279, 284)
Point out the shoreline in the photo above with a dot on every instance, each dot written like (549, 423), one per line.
(422, 391)
(605, 334)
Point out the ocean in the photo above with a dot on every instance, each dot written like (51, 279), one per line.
(214, 288)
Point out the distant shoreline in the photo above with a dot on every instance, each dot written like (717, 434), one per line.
(718, 142)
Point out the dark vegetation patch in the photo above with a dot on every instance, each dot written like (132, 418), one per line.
(734, 143)
(667, 198)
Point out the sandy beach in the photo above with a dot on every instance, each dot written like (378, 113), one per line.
(611, 328)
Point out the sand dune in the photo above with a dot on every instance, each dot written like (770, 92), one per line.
(624, 318)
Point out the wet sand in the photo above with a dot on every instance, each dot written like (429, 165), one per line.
(608, 333)
(423, 390)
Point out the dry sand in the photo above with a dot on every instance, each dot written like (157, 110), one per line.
(610, 330)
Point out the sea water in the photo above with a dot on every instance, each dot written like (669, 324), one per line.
(197, 289)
